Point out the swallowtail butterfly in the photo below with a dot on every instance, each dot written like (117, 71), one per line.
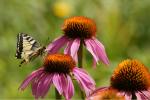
(27, 48)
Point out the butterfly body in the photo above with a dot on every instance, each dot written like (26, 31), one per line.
(27, 48)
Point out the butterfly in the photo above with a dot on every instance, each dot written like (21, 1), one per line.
(27, 48)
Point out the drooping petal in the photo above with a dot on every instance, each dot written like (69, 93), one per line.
(146, 93)
(99, 90)
(47, 85)
(128, 96)
(69, 89)
(57, 44)
(68, 47)
(35, 85)
(44, 85)
(139, 97)
(64, 83)
(84, 74)
(97, 50)
(57, 83)
(94, 93)
(101, 51)
(72, 48)
(84, 80)
(91, 49)
(29, 79)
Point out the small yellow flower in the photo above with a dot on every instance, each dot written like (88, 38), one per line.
(62, 9)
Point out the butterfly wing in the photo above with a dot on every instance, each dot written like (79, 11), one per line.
(27, 47)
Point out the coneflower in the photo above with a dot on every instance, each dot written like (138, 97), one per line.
(132, 79)
(58, 70)
(79, 31)
(109, 94)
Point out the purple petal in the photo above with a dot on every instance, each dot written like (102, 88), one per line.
(57, 83)
(35, 85)
(64, 82)
(101, 51)
(84, 80)
(57, 44)
(139, 97)
(97, 50)
(84, 74)
(98, 90)
(70, 88)
(31, 77)
(47, 85)
(40, 86)
(128, 96)
(68, 47)
(146, 94)
(44, 85)
(91, 49)
(72, 48)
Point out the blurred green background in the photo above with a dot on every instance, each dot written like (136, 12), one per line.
(123, 26)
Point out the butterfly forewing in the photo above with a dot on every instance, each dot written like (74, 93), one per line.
(19, 46)
(27, 47)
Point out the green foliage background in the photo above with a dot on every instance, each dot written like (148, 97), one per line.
(123, 26)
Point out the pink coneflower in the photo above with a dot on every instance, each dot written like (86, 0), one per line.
(78, 31)
(132, 80)
(58, 70)
(108, 94)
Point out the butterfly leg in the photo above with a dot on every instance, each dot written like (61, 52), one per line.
(21, 63)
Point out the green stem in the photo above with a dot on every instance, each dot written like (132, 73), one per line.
(57, 95)
(133, 96)
(80, 55)
(80, 62)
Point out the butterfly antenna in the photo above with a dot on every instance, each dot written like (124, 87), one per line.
(48, 40)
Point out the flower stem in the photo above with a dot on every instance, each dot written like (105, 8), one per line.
(57, 95)
(80, 62)
(80, 55)
(133, 96)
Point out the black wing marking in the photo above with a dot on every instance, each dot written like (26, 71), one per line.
(30, 41)
(27, 48)
(19, 45)
(25, 45)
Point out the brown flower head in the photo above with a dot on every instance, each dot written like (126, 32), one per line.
(130, 76)
(59, 63)
(79, 27)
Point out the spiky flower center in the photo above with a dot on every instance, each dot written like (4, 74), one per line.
(79, 27)
(130, 75)
(59, 63)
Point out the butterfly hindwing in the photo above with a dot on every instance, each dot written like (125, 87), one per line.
(27, 47)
